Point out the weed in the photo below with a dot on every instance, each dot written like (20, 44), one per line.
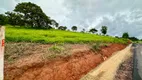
(14, 51)
(60, 44)
(56, 49)
(51, 56)
(96, 47)
(105, 44)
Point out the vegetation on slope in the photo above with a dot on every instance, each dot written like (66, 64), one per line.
(18, 34)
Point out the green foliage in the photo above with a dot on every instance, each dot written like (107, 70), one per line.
(62, 28)
(83, 31)
(56, 49)
(74, 28)
(54, 23)
(15, 18)
(28, 14)
(140, 41)
(93, 30)
(96, 47)
(105, 45)
(19, 34)
(133, 38)
(104, 30)
(3, 19)
(33, 15)
(125, 35)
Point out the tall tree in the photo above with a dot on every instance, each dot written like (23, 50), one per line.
(104, 30)
(14, 18)
(93, 30)
(54, 23)
(3, 19)
(125, 35)
(33, 15)
(74, 28)
(83, 31)
(62, 27)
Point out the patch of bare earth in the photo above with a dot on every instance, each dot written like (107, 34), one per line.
(125, 70)
(72, 67)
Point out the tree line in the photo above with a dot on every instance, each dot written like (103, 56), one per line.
(28, 14)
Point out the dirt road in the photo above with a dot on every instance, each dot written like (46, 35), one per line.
(107, 70)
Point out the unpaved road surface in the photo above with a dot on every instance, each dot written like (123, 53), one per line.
(107, 70)
(125, 70)
(137, 74)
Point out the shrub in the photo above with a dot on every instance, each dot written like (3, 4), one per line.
(105, 44)
(96, 47)
(56, 49)
(125, 35)
(104, 30)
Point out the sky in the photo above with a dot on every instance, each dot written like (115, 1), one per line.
(118, 15)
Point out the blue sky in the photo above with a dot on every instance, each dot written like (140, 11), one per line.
(119, 15)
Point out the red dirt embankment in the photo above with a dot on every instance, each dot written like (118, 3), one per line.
(69, 68)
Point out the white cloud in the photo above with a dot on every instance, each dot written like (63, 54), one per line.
(119, 15)
(7, 5)
(123, 22)
(55, 9)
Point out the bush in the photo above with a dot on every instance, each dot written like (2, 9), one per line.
(105, 44)
(125, 35)
(96, 47)
(56, 49)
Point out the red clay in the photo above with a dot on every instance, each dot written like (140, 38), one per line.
(69, 68)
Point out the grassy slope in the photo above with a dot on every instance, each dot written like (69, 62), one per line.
(54, 36)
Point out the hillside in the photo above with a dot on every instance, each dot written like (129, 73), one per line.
(65, 55)
(18, 34)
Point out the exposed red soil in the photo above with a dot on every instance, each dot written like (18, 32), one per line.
(66, 68)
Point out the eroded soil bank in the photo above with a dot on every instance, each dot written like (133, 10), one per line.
(72, 67)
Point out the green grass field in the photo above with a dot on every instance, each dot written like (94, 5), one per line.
(17, 34)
